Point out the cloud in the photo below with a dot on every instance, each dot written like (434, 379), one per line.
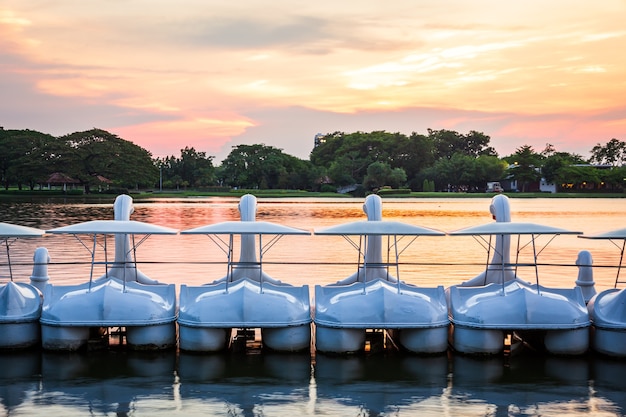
(213, 74)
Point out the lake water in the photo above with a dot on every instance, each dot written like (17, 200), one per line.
(234, 384)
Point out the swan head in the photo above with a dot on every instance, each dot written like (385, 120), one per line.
(123, 207)
(247, 207)
(500, 209)
(373, 207)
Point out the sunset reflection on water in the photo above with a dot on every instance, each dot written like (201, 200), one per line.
(317, 259)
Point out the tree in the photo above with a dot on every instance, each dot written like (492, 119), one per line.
(193, 168)
(525, 164)
(28, 157)
(449, 142)
(380, 174)
(97, 153)
(552, 168)
(613, 153)
(262, 167)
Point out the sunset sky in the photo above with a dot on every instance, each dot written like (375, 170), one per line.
(215, 74)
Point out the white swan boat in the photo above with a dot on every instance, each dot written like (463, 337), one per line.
(607, 309)
(373, 299)
(20, 302)
(247, 297)
(123, 297)
(498, 305)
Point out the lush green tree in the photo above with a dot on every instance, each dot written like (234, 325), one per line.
(453, 174)
(448, 142)
(525, 169)
(356, 151)
(553, 164)
(380, 174)
(28, 157)
(579, 177)
(415, 154)
(614, 179)
(613, 153)
(263, 167)
(96, 153)
(193, 168)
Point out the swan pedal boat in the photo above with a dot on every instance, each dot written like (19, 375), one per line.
(483, 315)
(123, 297)
(20, 302)
(372, 299)
(246, 298)
(607, 309)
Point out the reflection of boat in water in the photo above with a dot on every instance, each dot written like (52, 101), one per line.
(607, 309)
(247, 297)
(123, 297)
(20, 378)
(607, 379)
(20, 302)
(105, 382)
(274, 383)
(382, 384)
(498, 304)
(520, 385)
(373, 299)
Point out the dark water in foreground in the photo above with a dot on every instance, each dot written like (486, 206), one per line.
(271, 384)
(110, 383)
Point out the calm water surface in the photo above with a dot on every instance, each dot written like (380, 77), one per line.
(169, 383)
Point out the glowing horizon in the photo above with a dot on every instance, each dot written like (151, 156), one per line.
(212, 75)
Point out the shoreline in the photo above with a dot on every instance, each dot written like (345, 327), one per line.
(140, 195)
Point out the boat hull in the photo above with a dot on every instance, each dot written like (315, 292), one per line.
(208, 313)
(344, 313)
(19, 335)
(20, 310)
(202, 339)
(146, 312)
(608, 317)
(483, 316)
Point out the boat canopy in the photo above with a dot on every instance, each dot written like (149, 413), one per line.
(245, 228)
(512, 228)
(378, 228)
(613, 234)
(114, 227)
(8, 230)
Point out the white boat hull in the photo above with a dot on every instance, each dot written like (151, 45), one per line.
(608, 317)
(339, 341)
(344, 313)
(202, 339)
(147, 312)
(19, 335)
(483, 316)
(208, 313)
(20, 309)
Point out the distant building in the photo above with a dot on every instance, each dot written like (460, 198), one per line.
(319, 140)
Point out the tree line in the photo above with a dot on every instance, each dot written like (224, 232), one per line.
(440, 160)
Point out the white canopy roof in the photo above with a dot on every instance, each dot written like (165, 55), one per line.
(512, 228)
(613, 234)
(112, 227)
(14, 230)
(245, 228)
(378, 227)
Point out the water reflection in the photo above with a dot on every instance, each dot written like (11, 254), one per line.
(19, 378)
(381, 385)
(104, 382)
(320, 259)
(245, 384)
(266, 383)
(522, 385)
